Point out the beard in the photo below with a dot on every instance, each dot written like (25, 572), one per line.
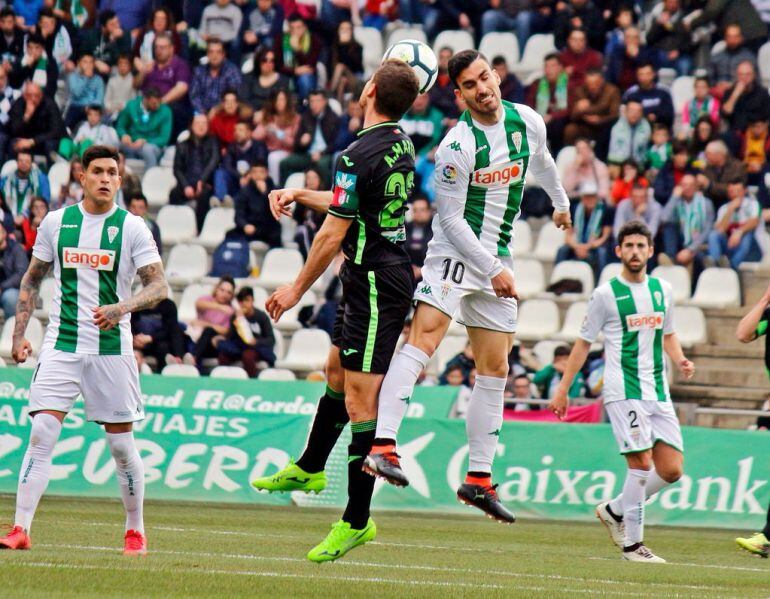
(636, 267)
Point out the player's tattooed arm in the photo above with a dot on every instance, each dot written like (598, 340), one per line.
(155, 290)
(29, 289)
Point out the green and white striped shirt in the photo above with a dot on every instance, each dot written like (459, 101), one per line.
(634, 317)
(95, 259)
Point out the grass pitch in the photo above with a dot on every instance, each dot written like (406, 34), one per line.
(205, 550)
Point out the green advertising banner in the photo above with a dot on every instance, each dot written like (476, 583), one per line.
(196, 448)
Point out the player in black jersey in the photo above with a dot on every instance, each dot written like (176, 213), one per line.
(373, 179)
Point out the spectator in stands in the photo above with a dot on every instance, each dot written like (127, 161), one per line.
(258, 85)
(156, 332)
(169, 74)
(595, 108)
(655, 99)
(723, 64)
(144, 127)
(35, 122)
(622, 18)
(578, 58)
(22, 184)
(550, 97)
(672, 172)
(106, 42)
(11, 41)
(131, 184)
(450, 14)
(586, 168)
(13, 265)
(212, 80)
(520, 395)
(630, 137)
(225, 115)
(161, 21)
(253, 219)
(508, 15)
(56, 38)
(212, 323)
(442, 94)
(71, 192)
(704, 133)
(233, 172)
(659, 151)
(38, 209)
(133, 14)
(308, 220)
(8, 96)
(733, 239)
(296, 53)
(37, 66)
(86, 88)
(423, 124)
(221, 20)
(721, 169)
(669, 37)
(418, 234)
(549, 377)
(639, 206)
(630, 174)
(754, 150)
(740, 12)
(746, 100)
(120, 88)
(315, 137)
(702, 104)
(250, 338)
(587, 239)
(464, 361)
(510, 86)
(625, 59)
(195, 161)
(688, 218)
(265, 25)
(579, 14)
(346, 63)
(92, 131)
(277, 127)
(137, 205)
(350, 124)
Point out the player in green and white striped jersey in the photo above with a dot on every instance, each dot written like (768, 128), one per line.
(95, 249)
(634, 312)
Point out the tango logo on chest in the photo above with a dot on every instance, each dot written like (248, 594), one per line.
(88, 258)
(499, 175)
(639, 322)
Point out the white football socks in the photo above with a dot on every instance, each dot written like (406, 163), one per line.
(633, 505)
(36, 467)
(654, 484)
(129, 469)
(483, 422)
(397, 388)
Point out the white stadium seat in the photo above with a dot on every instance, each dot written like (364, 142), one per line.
(502, 44)
(177, 224)
(679, 279)
(248, 65)
(289, 321)
(229, 372)
(406, 33)
(537, 48)
(307, 351)
(529, 277)
(549, 240)
(295, 180)
(456, 39)
(58, 175)
(544, 349)
(690, 325)
(46, 293)
(187, 312)
(522, 238)
(573, 320)
(682, 91)
(281, 267)
(538, 319)
(157, 184)
(717, 288)
(180, 370)
(449, 347)
(186, 264)
(371, 41)
(565, 158)
(8, 167)
(276, 374)
(575, 269)
(610, 271)
(217, 223)
(763, 60)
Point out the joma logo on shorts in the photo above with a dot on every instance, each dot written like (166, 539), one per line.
(639, 322)
(499, 175)
(88, 258)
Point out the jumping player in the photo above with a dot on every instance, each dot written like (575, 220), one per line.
(95, 249)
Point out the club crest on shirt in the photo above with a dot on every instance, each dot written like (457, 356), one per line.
(112, 233)
(516, 137)
(658, 297)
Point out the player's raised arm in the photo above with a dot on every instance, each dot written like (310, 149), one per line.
(281, 199)
(25, 306)
(755, 322)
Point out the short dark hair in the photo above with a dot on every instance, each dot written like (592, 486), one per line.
(97, 107)
(294, 17)
(523, 376)
(594, 71)
(216, 41)
(634, 227)
(7, 11)
(560, 351)
(737, 181)
(35, 38)
(45, 12)
(660, 127)
(225, 279)
(106, 15)
(152, 92)
(679, 147)
(318, 91)
(702, 78)
(644, 64)
(397, 88)
(244, 292)
(96, 152)
(553, 56)
(639, 185)
(498, 60)
(138, 196)
(461, 61)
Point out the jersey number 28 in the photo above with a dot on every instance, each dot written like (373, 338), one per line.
(397, 187)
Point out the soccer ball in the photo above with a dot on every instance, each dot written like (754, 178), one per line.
(420, 57)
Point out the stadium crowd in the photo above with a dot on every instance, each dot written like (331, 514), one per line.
(239, 95)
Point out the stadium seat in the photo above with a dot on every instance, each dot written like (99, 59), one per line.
(575, 269)
(217, 223)
(177, 224)
(529, 277)
(406, 33)
(2, 363)
(186, 264)
(8, 167)
(289, 321)
(717, 288)
(536, 49)
(34, 334)
(307, 351)
(186, 311)
(276, 374)
(180, 370)
(295, 180)
(666, 77)
(371, 41)
(229, 372)
(502, 44)
(456, 39)
(610, 271)
(522, 238)
(718, 47)
(447, 349)
(763, 60)
(157, 184)
(549, 240)
(248, 65)
(682, 91)
(46, 293)
(565, 158)
(690, 325)
(335, 106)
(281, 267)
(679, 279)
(573, 320)
(544, 349)
(58, 175)
(538, 319)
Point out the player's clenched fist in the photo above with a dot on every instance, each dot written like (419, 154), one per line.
(503, 284)
(280, 200)
(21, 350)
(562, 220)
(559, 403)
(283, 299)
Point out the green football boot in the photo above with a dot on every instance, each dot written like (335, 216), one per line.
(340, 540)
(292, 478)
(757, 544)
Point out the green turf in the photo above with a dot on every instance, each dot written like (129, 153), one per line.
(202, 550)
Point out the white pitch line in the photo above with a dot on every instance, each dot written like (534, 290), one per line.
(713, 566)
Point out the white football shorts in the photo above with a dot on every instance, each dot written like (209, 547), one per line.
(638, 425)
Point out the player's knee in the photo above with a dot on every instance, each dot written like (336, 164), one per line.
(640, 461)
(671, 474)
(335, 376)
